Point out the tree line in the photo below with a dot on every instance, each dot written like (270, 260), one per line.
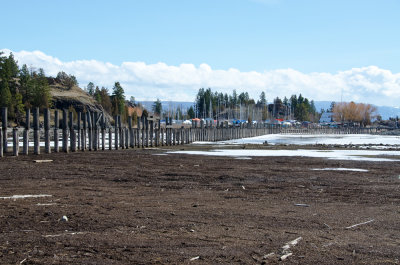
(22, 88)
(217, 105)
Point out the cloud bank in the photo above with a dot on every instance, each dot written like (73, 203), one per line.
(180, 83)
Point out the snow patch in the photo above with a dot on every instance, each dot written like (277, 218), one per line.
(355, 155)
(25, 196)
(323, 139)
(341, 169)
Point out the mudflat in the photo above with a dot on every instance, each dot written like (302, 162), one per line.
(145, 207)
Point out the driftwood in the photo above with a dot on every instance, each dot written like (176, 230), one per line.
(43, 161)
(363, 223)
(286, 248)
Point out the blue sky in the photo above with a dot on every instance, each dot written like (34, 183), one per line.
(307, 35)
(262, 36)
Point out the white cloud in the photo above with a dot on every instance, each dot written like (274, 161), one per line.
(150, 81)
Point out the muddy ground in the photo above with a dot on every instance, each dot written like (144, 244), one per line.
(138, 207)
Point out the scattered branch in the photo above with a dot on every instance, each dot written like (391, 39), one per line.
(363, 223)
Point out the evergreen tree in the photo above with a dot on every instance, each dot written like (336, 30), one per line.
(262, 101)
(132, 101)
(25, 81)
(118, 99)
(97, 95)
(191, 113)
(90, 88)
(41, 90)
(157, 107)
(10, 68)
(105, 100)
(19, 108)
(234, 98)
(5, 94)
(301, 112)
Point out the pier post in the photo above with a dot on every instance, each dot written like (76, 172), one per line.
(25, 148)
(95, 131)
(65, 132)
(90, 130)
(72, 132)
(56, 126)
(116, 133)
(4, 128)
(47, 131)
(15, 142)
(103, 132)
(36, 132)
(79, 133)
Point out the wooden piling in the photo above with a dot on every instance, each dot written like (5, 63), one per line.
(72, 132)
(151, 131)
(79, 118)
(147, 131)
(4, 128)
(122, 138)
(131, 134)
(126, 138)
(90, 130)
(138, 132)
(1, 143)
(25, 147)
(84, 131)
(158, 132)
(56, 126)
(162, 136)
(143, 128)
(47, 131)
(65, 132)
(36, 132)
(121, 143)
(110, 138)
(95, 131)
(15, 142)
(103, 131)
(116, 132)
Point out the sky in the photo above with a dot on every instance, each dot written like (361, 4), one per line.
(327, 50)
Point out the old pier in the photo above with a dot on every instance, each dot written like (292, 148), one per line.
(92, 131)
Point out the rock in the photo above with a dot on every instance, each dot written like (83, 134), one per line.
(64, 218)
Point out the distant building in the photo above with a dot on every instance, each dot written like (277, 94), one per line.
(326, 117)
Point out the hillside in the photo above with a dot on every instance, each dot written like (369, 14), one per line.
(63, 98)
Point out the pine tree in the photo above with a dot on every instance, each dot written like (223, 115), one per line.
(191, 113)
(118, 99)
(25, 82)
(97, 95)
(157, 107)
(90, 88)
(5, 94)
(105, 100)
(41, 90)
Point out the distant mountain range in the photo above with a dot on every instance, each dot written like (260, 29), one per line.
(168, 105)
(385, 111)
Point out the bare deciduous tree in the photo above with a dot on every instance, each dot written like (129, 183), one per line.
(350, 112)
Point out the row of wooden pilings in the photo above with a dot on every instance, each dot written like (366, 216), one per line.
(346, 130)
(92, 131)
